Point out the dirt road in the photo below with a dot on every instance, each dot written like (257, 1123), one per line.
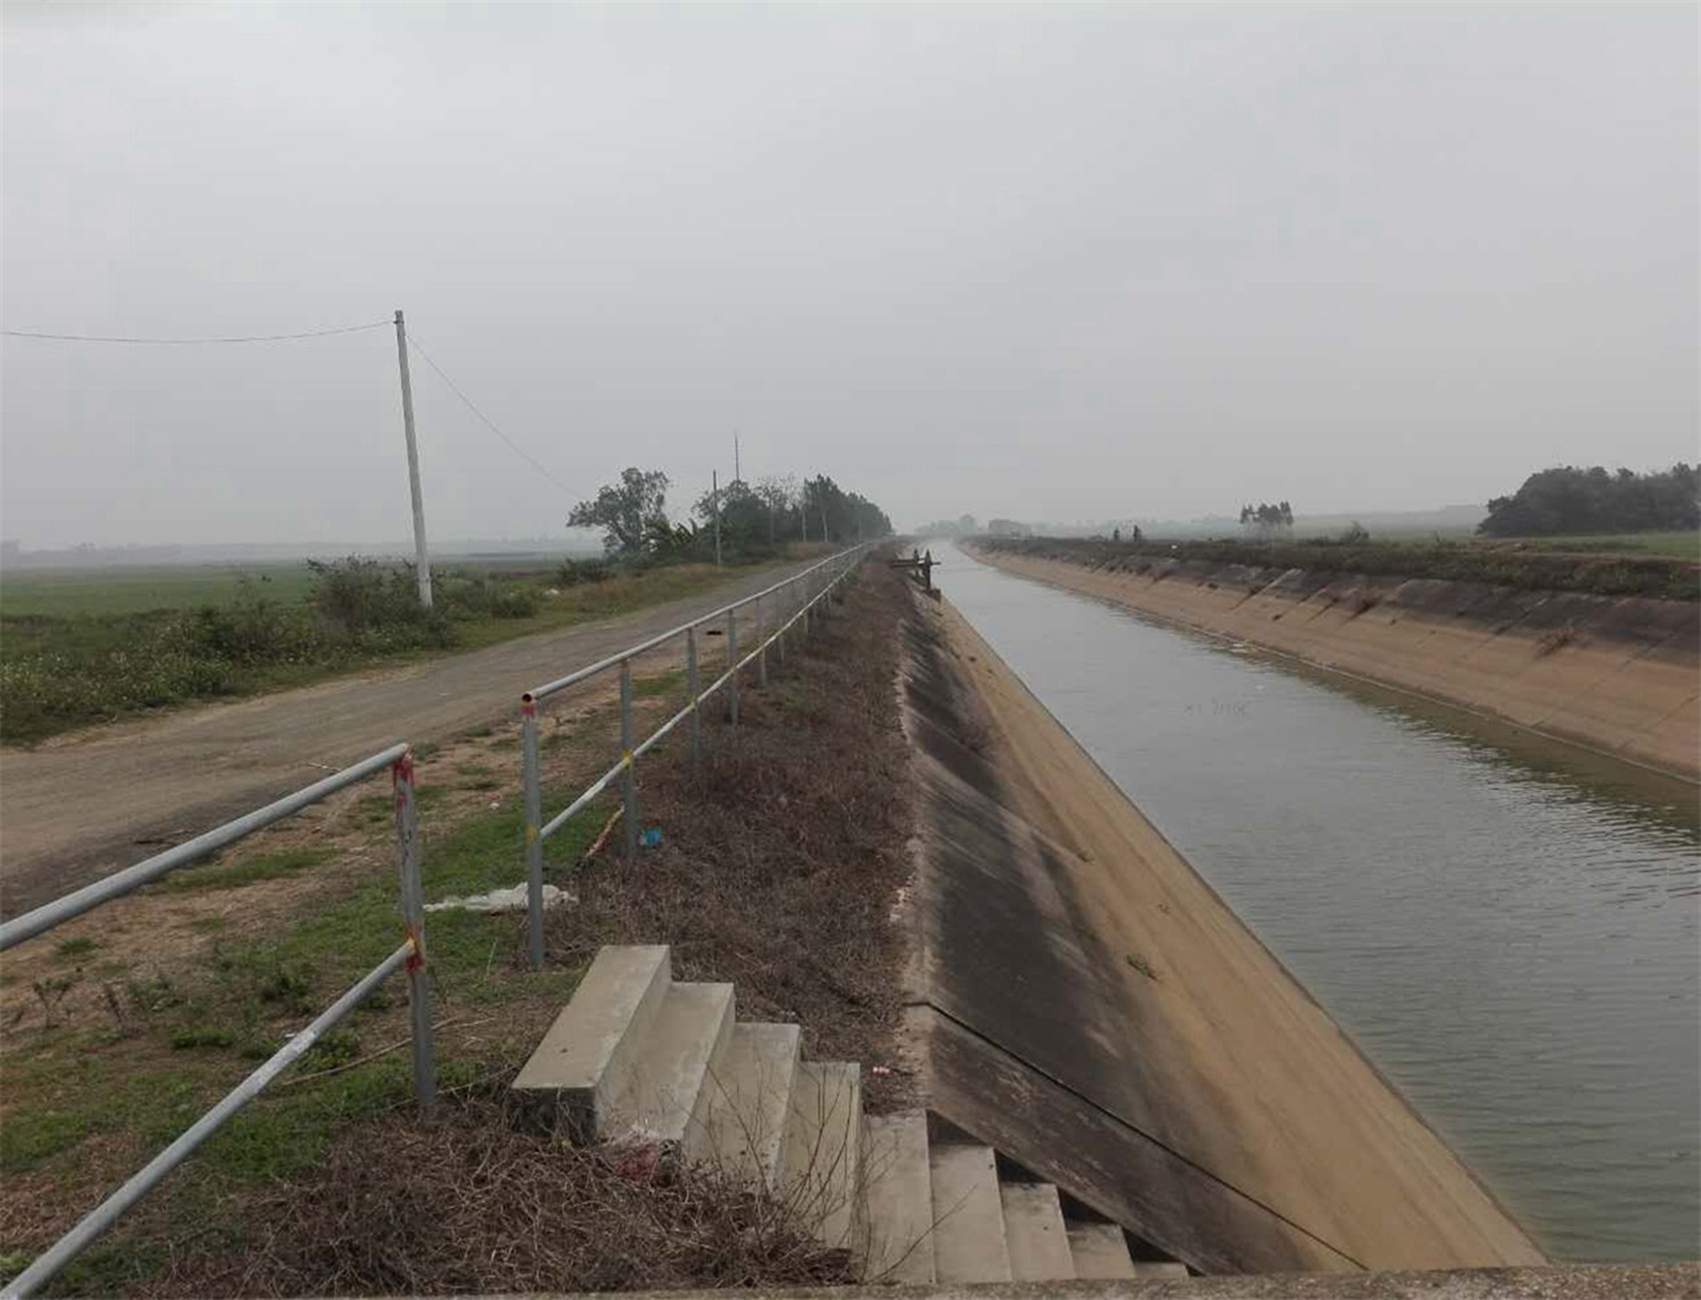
(85, 806)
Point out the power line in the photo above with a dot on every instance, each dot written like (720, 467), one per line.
(490, 424)
(241, 338)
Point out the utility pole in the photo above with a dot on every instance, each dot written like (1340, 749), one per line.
(421, 560)
(824, 536)
(737, 472)
(715, 496)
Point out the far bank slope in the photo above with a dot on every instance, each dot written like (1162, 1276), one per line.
(1618, 674)
(1093, 1010)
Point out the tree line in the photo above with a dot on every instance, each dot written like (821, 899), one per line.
(750, 518)
(1266, 519)
(1566, 499)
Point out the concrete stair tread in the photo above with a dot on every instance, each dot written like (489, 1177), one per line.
(824, 1146)
(1034, 1233)
(1160, 1268)
(584, 1061)
(898, 1191)
(1099, 1250)
(685, 1045)
(968, 1215)
(741, 1124)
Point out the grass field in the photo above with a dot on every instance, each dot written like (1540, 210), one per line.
(84, 647)
(65, 593)
(1648, 564)
(1681, 545)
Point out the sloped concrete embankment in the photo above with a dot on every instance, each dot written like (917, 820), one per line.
(1617, 674)
(1085, 1003)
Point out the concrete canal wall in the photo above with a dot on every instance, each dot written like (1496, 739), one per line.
(1083, 1001)
(1618, 674)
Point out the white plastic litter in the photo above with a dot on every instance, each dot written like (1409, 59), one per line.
(502, 900)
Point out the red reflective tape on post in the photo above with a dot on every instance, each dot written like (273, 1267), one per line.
(416, 959)
(528, 707)
(401, 771)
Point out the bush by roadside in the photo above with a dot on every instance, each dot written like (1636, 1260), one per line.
(62, 672)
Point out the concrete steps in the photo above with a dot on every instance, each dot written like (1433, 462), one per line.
(636, 1057)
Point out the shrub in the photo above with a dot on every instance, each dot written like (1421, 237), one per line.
(572, 572)
(370, 606)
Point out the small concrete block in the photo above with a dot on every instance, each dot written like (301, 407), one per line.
(741, 1121)
(584, 1060)
(685, 1045)
(824, 1146)
(898, 1185)
(968, 1216)
(1100, 1251)
(1034, 1233)
(1160, 1268)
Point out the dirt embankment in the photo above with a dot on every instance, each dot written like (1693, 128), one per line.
(1091, 1007)
(1617, 674)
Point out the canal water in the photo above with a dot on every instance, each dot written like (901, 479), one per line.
(1510, 929)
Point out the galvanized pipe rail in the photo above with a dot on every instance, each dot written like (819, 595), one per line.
(44, 918)
(818, 583)
(411, 956)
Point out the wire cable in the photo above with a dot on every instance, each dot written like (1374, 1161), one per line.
(490, 424)
(240, 338)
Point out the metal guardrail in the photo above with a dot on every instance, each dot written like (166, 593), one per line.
(410, 956)
(809, 590)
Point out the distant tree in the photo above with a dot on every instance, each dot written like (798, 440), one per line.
(629, 512)
(744, 517)
(1566, 499)
(1116, 534)
(1356, 534)
(780, 497)
(1266, 520)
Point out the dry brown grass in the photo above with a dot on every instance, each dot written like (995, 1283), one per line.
(780, 864)
(779, 870)
(468, 1204)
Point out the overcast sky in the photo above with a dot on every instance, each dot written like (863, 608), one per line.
(1061, 263)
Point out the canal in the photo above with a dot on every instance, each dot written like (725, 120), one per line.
(1511, 929)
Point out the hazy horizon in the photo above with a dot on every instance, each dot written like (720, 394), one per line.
(1042, 263)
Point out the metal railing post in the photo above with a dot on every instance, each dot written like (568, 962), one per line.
(413, 918)
(761, 647)
(534, 818)
(694, 687)
(629, 784)
(732, 667)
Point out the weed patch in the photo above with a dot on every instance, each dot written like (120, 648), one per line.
(671, 683)
(265, 866)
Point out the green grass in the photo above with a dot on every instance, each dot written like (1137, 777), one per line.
(1501, 563)
(84, 648)
(670, 683)
(71, 949)
(1682, 545)
(264, 866)
(65, 593)
(209, 1031)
